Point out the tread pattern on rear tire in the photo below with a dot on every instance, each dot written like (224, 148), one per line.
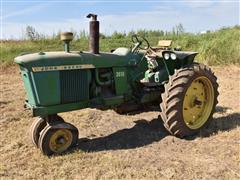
(172, 98)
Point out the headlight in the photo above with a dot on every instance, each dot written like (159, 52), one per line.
(173, 56)
(166, 56)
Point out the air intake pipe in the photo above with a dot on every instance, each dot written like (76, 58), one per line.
(93, 34)
(66, 37)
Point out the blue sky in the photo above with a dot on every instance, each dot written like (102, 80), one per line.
(51, 16)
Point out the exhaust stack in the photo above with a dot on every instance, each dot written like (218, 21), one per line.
(93, 34)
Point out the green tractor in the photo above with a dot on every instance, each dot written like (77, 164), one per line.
(123, 80)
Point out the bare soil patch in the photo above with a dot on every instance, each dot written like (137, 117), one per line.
(113, 146)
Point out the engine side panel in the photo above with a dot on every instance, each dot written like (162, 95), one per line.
(120, 79)
(47, 87)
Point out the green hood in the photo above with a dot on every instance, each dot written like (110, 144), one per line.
(40, 59)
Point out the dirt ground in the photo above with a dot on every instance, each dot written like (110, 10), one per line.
(113, 146)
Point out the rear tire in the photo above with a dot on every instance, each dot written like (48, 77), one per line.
(189, 100)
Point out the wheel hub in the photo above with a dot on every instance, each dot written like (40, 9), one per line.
(198, 102)
(60, 140)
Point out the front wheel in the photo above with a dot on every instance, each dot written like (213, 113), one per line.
(189, 100)
(57, 138)
(37, 126)
(34, 132)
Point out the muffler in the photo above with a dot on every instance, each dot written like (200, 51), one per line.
(93, 34)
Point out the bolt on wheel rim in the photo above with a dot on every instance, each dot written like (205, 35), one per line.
(60, 140)
(198, 102)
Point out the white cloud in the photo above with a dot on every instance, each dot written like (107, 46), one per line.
(199, 4)
(29, 10)
(212, 16)
(16, 30)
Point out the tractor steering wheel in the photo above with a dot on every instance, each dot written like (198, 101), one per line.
(140, 42)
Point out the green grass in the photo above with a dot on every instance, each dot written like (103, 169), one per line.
(215, 48)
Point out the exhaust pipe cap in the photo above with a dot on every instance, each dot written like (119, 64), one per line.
(93, 16)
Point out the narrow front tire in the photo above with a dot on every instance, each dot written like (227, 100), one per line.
(56, 139)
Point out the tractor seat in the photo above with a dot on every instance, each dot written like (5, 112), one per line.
(122, 51)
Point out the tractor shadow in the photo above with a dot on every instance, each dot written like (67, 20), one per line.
(148, 108)
(226, 122)
(146, 132)
(141, 134)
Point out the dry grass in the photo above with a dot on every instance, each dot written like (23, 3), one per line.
(113, 146)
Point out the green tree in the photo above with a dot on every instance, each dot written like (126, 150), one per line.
(179, 29)
(31, 33)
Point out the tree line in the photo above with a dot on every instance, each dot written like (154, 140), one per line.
(32, 34)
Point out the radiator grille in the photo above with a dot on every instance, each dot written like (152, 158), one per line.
(74, 86)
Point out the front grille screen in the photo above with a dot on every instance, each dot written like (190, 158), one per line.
(74, 86)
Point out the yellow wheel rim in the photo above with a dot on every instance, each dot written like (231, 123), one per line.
(198, 102)
(60, 140)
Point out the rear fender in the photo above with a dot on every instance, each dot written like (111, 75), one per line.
(187, 57)
(183, 58)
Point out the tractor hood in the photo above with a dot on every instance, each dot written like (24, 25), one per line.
(45, 59)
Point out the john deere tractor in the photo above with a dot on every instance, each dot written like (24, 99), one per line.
(123, 80)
